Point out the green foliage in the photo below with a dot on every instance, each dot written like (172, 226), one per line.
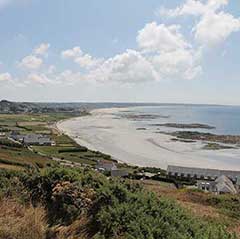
(10, 143)
(229, 204)
(135, 214)
(115, 208)
(73, 150)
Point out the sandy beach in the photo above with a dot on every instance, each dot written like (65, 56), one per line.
(105, 132)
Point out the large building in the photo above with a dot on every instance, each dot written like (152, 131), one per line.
(201, 173)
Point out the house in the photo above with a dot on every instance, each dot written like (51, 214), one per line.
(221, 185)
(16, 136)
(225, 185)
(201, 173)
(207, 186)
(32, 139)
(103, 165)
(238, 184)
(119, 173)
(37, 139)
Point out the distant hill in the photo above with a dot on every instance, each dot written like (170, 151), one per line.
(15, 107)
(9, 107)
(29, 107)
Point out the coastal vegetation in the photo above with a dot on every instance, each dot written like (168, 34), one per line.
(54, 192)
(80, 203)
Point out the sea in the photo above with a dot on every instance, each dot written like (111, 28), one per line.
(225, 119)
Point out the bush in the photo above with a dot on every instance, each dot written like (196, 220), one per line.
(114, 208)
(123, 213)
(73, 150)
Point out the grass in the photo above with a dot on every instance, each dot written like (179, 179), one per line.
(82, 203)
(41, 123)
(22, 156)
(31, 122)
(223, 209)
(18, 222)
(88, 157)
(11, 167)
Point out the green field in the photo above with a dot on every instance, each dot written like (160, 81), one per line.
(65, 148)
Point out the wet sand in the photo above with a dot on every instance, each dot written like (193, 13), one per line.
(118, 137)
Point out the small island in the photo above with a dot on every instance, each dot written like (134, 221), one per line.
(195, 135)
(185, 126)
(216, 146)
(143, 116)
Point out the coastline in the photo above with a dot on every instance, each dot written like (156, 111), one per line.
(104, 132)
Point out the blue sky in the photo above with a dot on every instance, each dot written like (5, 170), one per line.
(146, 51)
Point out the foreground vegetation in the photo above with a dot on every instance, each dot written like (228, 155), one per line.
(80, 203)
(41, 199)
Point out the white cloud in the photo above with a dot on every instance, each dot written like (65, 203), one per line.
(86, 61)
(51, 69)
(193, 7)
(42, 49)
(214, 25)
(160, 38)
(38, 78)
(214, 28)
(128, 67)
(5, 77)
(31, 62)
(68, 77)
(72, 53)
(179, 64)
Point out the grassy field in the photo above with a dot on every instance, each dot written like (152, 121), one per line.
(21, 156)
(65, 148)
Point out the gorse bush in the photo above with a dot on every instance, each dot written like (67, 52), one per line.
(127, 214)
(114, 208)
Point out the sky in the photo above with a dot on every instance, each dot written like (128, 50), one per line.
(178, 51)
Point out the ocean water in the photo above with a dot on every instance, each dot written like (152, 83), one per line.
(225, 119)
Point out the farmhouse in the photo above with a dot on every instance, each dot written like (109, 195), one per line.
(32, 139)
(37, 139)
(201, 173)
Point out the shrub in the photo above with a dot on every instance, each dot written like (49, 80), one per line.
(73, 150)
(114, 208)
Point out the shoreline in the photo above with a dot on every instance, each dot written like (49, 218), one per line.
(104, 132)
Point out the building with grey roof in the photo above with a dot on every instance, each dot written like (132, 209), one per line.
(33, 139)
(201, 173)
(37, 139)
